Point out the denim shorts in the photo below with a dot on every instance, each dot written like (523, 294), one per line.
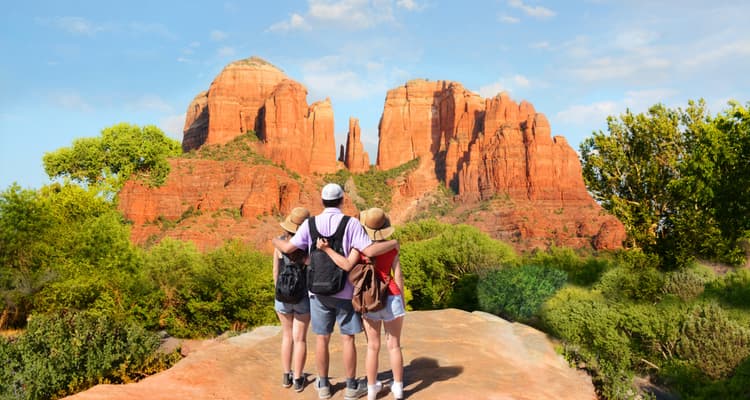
(394, 308)
(326, 310)
(302, 307)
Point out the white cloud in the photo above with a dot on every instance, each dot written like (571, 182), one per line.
(635, 40)
(636, 100)
(505, 84)
(173, 125)
(507, 19)
(226, 51)
(218, 36)
(70, 100)
(624, 67)
(521, 81)
(410, 5)
(342, 77)
(492, 89)
(296, 22)
(350, 14)
(540, 45)
(150, 29)
(74, 25)
(719, 54)
(151, 103)
(586, 113)
(536, 12)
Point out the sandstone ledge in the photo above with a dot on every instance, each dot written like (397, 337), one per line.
(448, 354)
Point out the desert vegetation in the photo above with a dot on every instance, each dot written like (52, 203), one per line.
(81, 304)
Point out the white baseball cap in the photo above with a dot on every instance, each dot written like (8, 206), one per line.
(332, 191)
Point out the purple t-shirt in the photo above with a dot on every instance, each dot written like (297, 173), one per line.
(355, 237)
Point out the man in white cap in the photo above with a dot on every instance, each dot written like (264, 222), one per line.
(327, 310)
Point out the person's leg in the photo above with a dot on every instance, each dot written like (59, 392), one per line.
(394, 348)
(321, 355)
(299, 334)
(350, 355)
(372, 329)
(286, 345)
(323, 317)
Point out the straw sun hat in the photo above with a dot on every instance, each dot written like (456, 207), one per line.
(376, 223)
(295, 219)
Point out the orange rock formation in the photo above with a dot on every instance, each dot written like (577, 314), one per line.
(491, 151)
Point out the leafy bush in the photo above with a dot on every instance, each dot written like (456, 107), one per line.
(196, 295)
(581, 270)
(590, 327)
(623, 283)
(686, 283)
(517, 293)
(712, 342)
(66, 352)
(733, 288)
(432, 267)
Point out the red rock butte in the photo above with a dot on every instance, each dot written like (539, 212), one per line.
(510, 177)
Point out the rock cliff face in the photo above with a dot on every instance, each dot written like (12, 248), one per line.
(252, 94)
(498, 157)
(483, 149)
(355, 157)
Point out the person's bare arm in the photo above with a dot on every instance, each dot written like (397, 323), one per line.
(345, 263)
(378, 248)
(276, 256)
(398, 276)
(284, 245)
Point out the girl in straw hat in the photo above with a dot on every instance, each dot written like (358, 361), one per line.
(295, 318)
(378, 227)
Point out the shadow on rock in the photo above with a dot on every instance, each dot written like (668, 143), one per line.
(425, 371)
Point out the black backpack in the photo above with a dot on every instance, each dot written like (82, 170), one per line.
(324, 277)
(291, 283)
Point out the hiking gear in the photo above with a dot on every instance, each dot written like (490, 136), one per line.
(376, 223)
(299, 384)
(331, 191)
(324, 277)
(373, 390)
(291, 283)
(356, 392)
(370, 292)
(324, 390)
(286, 379)
(296, 217)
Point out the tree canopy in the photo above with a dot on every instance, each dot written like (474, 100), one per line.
(109, 160)
(678, 179)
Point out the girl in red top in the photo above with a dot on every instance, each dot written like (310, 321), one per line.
(379, 228)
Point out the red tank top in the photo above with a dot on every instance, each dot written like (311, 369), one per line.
(383, 264)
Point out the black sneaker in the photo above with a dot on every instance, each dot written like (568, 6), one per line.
(286, 380)
(299, 384)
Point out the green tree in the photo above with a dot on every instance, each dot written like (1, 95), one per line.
(629, 169)
(678, 179)
(109, 160)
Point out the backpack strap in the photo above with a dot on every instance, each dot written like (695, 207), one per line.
(339, 234)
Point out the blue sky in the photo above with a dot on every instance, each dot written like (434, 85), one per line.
(70, 68)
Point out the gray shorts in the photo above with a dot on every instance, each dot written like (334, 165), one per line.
(394, 308)
(302, 307)
(326, 310)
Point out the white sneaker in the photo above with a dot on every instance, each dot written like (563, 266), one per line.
(373, 390)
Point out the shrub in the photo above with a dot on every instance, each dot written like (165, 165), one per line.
(712, 342)
(686, 283)
(733, 288)
(66, 352)
(590, 327)
(517, 293)
(581, 270)
(627, 283)
(432, 267)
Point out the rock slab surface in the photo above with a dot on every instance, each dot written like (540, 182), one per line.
(448, 354)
